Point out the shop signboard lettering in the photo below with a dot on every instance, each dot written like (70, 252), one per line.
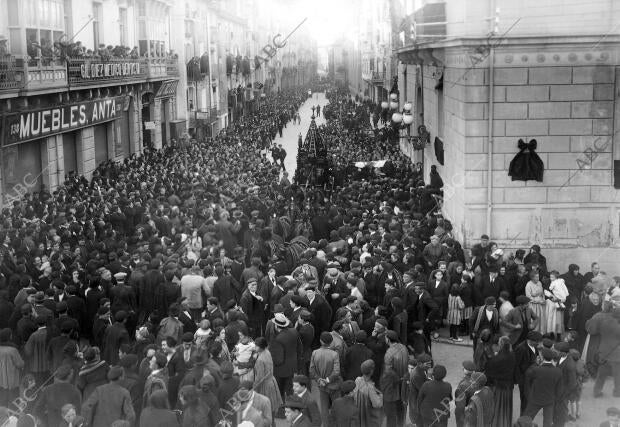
(112, 69)
(34, 124)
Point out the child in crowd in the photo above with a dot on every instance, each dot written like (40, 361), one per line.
(455, 312)
(574, 400)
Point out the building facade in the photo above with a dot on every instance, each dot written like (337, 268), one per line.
(81, 83)
(375, 48)
(503, 72)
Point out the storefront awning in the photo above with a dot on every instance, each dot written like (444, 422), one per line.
(167, 89)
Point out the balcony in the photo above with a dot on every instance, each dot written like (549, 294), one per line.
(39, 74)
(377, 77)
(49, 75)
(162, 68)
(11, 75)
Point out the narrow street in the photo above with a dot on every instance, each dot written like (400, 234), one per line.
(290, 134)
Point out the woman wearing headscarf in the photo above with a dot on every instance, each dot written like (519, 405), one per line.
(264, 381)
(368, 398)
(158, 413)
(195, 411)
(499, 371)
(590, 305)
(574, 281)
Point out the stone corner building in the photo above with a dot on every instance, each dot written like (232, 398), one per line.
(553, 77)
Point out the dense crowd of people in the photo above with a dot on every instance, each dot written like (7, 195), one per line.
(196, 286)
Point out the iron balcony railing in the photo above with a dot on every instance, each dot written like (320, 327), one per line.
(18, 73)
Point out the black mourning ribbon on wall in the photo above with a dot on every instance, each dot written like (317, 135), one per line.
(527, 165)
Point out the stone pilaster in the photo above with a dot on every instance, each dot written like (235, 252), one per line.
(156, 117)
(85, 147)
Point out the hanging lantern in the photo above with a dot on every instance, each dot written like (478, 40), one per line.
(384, 105)
(393, 96)
(408, 119)
(397, 117)
(407, 106)
(394, 105)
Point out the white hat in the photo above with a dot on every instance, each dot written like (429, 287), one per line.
(281, 320)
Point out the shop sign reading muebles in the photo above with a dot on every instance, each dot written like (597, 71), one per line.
(96, 70)
(28, 125)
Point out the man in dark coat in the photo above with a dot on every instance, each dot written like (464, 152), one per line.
(147, 291)
(229, 385)
(76, 307)
(417, 376)
(393, 380)
(293, 411)
(344, 411)
(426, 308)
(490, 286)
(109, 402)
(94, 295)
(55, 347)
(310, 405)
(479, 411)
(525, 357)
(306, 334)
(285, 349)
(113, 337)
(434, 399)
(321, 312)
(544, 384)
(355, 355)
(54, 396)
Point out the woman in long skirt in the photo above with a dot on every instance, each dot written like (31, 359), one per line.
(264, 381)
(535, 292)
(556, 303)
(499, 371)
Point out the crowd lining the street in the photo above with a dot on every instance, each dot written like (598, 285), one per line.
(196, 286)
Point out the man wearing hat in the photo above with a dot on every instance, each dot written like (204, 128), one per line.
(39, 307)
(480, 409)
(544, 384)
(285, 348)
(613, 418)
(464, 392)
(325, 370)
(484, 317)
(519, 321)
(248, 411)
(54, 396)
(434, 399)
(344, 411)
(393, 380)
(418, 374)
(526, 354)
(109, 402)
(293, 411)
(310, 406)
